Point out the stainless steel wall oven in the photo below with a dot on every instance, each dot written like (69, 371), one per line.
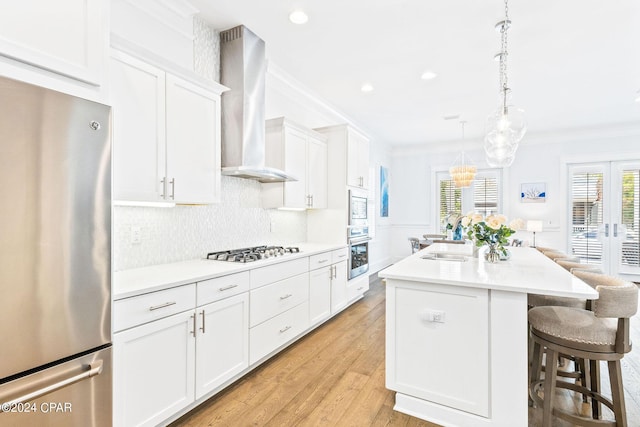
(358, 256)
(358, 233)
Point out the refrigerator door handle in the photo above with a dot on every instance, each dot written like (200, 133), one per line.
(95, 368)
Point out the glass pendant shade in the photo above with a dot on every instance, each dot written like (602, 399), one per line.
(506, 126)
(462, 173)
(504, 130)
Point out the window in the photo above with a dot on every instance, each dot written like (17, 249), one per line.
(482, 197)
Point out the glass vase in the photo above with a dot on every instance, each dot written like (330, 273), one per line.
(492, 255)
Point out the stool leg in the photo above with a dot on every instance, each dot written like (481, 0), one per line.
(550, 375)
(536, 362)
(617, 393)
(596, 406)
(583, 367)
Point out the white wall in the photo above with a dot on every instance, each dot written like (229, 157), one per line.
(380, 246)
(540, 158)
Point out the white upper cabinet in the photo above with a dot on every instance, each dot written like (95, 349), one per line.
(68, 37)
(317, 170)
(302, 153)
(193, 142)
(348, 156)
(166, 135)
(357, 160)
(137, 96)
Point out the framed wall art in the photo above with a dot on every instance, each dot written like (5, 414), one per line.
(384, 192)
(533, 193)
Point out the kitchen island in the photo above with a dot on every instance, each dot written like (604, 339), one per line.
(456, 332)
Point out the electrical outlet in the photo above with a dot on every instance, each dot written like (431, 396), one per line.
(136, 235)
(435, 316)
(272, 227)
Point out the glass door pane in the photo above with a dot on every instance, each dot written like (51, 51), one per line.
(626, 227)
(587, 213)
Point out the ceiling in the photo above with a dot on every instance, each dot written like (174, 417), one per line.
(572, 63)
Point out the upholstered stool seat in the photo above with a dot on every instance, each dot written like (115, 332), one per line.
(557, 255)
(543, 249)
(569, 265)
(574, 327)
(601, 334)
(536, 300)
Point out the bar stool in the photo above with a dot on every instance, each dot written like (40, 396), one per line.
(556, 255)
(543, 249)
(602, 334)
(572, 265)
(415, 244)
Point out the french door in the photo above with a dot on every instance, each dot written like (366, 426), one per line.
(604, 216)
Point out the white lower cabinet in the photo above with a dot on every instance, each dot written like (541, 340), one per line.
(279, 306)
(222, 348)
(320, 294)
(356, 287)
(162, 366)
(154, 370)
(277, 331)
(177, 346)
(327, 284)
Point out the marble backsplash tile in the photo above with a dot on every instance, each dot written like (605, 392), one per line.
(188, 232)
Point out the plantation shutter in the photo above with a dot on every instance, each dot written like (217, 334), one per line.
(485, 195)
(587, 215)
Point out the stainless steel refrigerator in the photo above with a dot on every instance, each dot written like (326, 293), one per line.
(55, 258)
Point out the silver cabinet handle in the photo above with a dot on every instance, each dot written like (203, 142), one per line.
(334, 272)
(285, 329)
(311, 204)
(361, 288)
(226, 288)
(286, 296)
(94, 369)
(163, 183)
(615, 230)
(322, 261)
(606, 230)
(166, 304)
(193, 316)
(173, 188)
(203, 317)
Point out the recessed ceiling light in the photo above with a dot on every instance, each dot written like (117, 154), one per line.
(298, 17)
(428, 75)
(367, 87)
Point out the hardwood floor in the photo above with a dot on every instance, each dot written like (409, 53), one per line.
(335, 377)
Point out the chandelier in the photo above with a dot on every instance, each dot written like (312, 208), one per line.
(462, 173)
(506, 126)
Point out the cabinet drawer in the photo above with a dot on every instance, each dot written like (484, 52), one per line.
(355, 288)
(268, 336)
(277, 272)
(320, 260)
(145, 308)
(222, 287)
(271, 300)
(339, 255)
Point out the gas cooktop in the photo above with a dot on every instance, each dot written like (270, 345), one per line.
(252, 254)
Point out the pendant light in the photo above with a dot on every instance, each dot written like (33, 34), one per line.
(506, 126)
(462, 173)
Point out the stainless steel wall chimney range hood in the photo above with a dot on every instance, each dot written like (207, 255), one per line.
(243, 70)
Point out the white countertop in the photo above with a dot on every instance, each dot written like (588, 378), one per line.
(137, 281)
(527, 271)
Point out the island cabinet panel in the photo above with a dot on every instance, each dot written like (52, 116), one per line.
(438, 344)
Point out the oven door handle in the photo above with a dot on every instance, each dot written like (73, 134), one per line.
(358, 241)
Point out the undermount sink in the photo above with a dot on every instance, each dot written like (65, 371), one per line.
(439, 256)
